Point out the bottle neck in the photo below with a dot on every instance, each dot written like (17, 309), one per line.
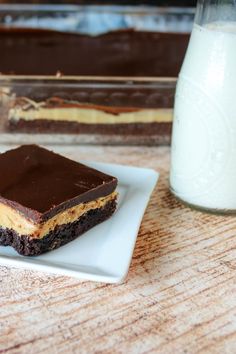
(209, 11)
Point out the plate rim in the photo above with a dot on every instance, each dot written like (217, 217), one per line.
(31, 263)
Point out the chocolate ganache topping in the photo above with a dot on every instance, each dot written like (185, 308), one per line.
(40, 184)
(116, 53)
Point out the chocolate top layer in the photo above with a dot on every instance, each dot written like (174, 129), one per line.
(122, 97)
(118, 53)
(40, 184)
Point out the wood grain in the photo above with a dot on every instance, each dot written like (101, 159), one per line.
(179, 297)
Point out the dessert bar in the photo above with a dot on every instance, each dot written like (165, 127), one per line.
(125, 52)
(123, 111)
(97, 42)
(47, 200)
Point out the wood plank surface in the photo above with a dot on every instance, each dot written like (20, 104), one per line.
(179, 296)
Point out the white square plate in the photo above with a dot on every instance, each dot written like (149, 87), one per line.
(103, 253)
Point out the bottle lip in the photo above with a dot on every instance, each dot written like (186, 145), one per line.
(210, 11)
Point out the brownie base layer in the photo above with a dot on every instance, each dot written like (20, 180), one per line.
(60, 236)
(47, 126)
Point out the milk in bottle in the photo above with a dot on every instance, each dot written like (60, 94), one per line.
(203, 161)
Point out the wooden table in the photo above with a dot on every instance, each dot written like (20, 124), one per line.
(179, 297)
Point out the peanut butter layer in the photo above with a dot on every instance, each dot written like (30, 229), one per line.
(12, 219)
(92, 116)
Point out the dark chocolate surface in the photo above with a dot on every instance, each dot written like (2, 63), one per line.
(123, 95)
(40, 183)
(118, 53)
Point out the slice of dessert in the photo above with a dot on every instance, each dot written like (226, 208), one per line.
(47, 200)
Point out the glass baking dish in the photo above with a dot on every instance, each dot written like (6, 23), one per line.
(146, 95)
(105, 105)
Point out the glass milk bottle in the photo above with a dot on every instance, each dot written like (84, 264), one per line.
(203, 158)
